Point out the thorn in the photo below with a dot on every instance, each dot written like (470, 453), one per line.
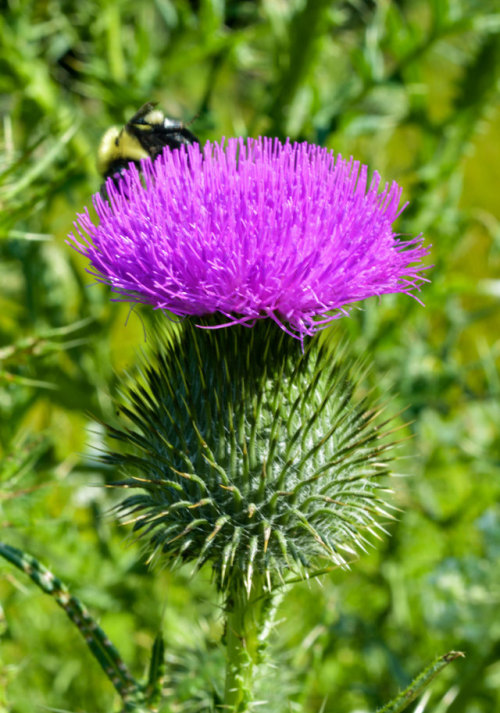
(267, 535)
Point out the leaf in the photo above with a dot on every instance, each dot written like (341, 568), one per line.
(101, 647)
(418, 685)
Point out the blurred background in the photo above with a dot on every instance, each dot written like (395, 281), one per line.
(409, 87)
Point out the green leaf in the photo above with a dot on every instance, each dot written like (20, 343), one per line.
(418, 685)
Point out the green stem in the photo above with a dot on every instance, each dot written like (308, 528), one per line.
(249, 615)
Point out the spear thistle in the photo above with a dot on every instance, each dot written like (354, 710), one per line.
(251, 451)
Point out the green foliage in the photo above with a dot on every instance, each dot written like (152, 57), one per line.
(408, 87)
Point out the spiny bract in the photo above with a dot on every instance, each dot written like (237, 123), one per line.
(250, 453)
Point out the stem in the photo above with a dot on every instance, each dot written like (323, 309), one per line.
(249, 615)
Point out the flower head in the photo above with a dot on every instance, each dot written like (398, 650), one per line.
(250, 230)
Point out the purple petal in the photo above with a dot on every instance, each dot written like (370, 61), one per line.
(254, 229)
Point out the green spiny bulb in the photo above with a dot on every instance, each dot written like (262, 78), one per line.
(251, 453)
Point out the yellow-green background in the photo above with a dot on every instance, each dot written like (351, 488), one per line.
(411, 88)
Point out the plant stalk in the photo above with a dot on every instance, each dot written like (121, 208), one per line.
(248, 620)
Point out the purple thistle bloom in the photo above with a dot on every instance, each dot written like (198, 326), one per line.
(252, 230)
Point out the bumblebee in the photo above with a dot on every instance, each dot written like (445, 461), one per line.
(144, 136)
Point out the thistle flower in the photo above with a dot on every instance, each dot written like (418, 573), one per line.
(251, 453)
(250, 450)
(252, 230)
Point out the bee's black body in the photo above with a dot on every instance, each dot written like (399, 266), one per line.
(145, 136)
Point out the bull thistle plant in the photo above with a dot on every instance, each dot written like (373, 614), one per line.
(246, 447)
(245, 441)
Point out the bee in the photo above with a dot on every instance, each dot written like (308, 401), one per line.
(145, 135)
